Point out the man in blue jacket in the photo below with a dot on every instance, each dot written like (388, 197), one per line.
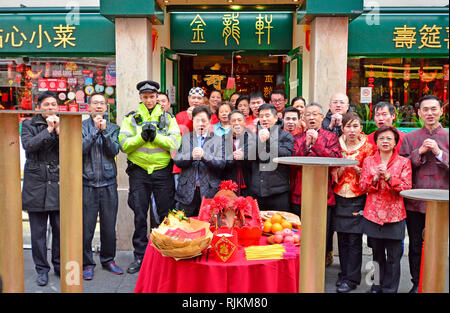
(100, 146)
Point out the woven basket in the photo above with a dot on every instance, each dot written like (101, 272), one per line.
(181, 249)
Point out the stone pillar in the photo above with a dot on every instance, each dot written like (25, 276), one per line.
(328, 58)
(133, 64)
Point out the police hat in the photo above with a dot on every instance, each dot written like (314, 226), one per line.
(147, 86)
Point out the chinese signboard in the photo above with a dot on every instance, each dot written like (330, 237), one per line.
(34, 34)
(414, 34)
(231, 31)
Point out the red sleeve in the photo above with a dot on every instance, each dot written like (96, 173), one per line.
(402, 178)
(366, 180)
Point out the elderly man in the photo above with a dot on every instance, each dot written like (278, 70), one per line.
(427, 148)
(279, 100)
(148, 136)
(339, 105)
(100, 146)
(270, 181)
(184, 118)
(200, 166)
(240, 151)
(316, 142)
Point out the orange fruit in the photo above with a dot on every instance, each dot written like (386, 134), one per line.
(276, 218)
(286, 224)
(276, 227)
(267, 226)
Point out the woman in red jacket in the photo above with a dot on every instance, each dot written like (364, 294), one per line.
(383, 176)
(350, 202)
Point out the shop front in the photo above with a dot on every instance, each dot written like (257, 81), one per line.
(233, 51)
(402, 55)
(49, 51)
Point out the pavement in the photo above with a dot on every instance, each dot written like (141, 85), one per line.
(106, 282)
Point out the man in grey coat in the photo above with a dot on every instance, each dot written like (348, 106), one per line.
(100, 146)
(201, 158)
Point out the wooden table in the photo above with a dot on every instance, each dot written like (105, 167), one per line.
(435, 254)
(315, 173)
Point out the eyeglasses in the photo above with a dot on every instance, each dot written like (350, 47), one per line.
(278, 101)
(312, 114)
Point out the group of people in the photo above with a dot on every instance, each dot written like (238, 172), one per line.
(176, 161)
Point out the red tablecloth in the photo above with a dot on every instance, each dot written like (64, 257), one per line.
(164, 274)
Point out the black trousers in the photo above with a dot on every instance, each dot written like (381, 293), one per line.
(38, 229)
(415, 223)
(193, 208)
(142, 185)
(330, 228)
(350, 257)
(387, 254)
(278, 202)
(103, 201)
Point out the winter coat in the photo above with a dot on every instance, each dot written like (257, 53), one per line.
(209, 167)
(40, 191)
(99, 149)
(269, 178)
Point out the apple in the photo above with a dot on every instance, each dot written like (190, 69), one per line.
(278, 238)
(296, 238)
(289, 239)
(287, 232)
(278, 233)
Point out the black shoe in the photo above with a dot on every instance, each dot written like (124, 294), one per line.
(42, 279)
(345, 287)
(414, 289)
(134, 267)
(339, 282)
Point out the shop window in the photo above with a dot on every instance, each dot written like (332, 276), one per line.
(72, 79)
(400, 81)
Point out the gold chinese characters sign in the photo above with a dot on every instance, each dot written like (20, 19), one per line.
(402, 35)
(51, 33)
(231, 30)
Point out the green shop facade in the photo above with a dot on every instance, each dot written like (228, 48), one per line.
(312, 50)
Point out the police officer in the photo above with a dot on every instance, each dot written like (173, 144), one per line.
(148, 136)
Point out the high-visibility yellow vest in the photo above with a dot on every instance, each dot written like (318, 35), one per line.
(148, 155)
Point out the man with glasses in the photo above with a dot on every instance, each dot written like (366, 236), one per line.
(316, 142)
(100, 146)
(339, 105)
(279, 100)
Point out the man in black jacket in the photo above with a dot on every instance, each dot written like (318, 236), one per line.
(40, 192)
(100, 146)
(270, 181)
(240, 152)
(201, 158)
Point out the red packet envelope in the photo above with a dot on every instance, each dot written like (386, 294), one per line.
(224, 245)
(230, 82)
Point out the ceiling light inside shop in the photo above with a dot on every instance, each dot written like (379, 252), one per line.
(235, 7)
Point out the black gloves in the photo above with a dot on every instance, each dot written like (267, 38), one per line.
(148, 132)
